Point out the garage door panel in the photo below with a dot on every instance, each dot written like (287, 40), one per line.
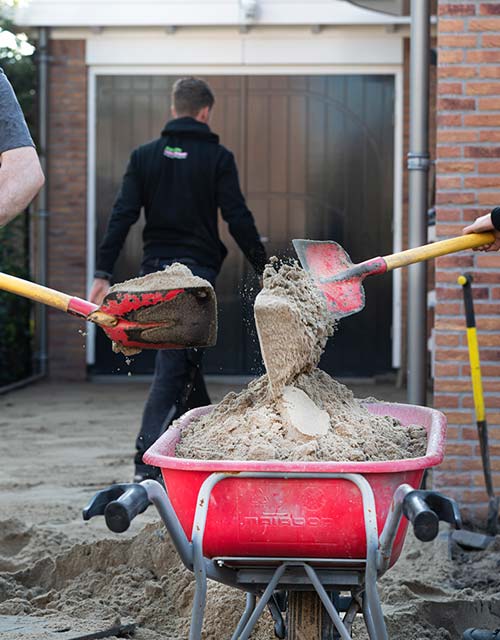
(297, 218)
(278, 149)
(316, 139)
(298, 144)
(258, 144)
(315, 157)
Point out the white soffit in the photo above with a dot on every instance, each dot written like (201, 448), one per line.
(337, 48)
(131, 13)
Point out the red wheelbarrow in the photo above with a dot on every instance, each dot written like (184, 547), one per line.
(290, 533)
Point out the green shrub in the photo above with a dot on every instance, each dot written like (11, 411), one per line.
(15, 312)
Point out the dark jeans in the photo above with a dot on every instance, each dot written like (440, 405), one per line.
(178, 383)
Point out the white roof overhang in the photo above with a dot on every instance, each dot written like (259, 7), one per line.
(179, 13)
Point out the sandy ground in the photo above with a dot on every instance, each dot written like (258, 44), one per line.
(61, 577)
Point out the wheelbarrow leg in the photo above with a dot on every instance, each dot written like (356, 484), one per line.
(264, 599)
(374, 623)
(276, 612)
(200, 599)
(372, 609)
(352, 612)
(249, 608)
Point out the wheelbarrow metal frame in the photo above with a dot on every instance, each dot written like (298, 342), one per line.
(191, 553)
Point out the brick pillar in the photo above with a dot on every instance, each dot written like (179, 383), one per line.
(468, 185)
(67, 178)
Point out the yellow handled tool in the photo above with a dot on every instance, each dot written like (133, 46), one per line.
(436, 249)
(465, 281)
(47, 296)
(341, 281)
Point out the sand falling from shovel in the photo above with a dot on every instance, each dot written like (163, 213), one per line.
(295, 411)
(293, 325)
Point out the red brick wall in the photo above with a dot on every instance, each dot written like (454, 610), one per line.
(67, 180)
(468, 184)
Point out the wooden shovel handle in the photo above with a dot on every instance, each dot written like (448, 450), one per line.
(436, 249)
(34, 291)
(52, 298)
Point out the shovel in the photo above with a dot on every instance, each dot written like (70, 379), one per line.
(465, 281)
(340, 280)
(170, 318)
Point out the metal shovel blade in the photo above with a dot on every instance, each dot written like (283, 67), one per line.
(138, 314)
(344, 292)
(165, 319)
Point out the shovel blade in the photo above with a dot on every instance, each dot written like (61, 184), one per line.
(165, 319)
(321, 260)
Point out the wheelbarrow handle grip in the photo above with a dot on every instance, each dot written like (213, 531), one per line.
(120, 513)
(425, 522)
(424, 509)
(436, 249)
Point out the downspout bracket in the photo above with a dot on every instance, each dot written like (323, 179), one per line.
(418, 161)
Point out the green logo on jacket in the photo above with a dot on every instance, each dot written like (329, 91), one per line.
(175, 152)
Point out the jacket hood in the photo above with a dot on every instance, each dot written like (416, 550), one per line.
(190, 128)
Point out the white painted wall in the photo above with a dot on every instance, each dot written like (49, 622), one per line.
(291, 46)
(102, 13)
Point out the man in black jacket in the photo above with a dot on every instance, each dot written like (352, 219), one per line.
(181, 180)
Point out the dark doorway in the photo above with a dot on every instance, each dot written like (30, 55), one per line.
(315, 155)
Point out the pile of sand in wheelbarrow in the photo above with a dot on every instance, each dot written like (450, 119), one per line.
(255, 423)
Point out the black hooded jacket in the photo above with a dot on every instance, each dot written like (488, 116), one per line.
(181, 180)
(495, 218)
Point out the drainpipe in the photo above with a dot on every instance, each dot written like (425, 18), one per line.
(42, 202)
(418, 169)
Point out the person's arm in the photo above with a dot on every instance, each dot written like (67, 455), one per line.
(126, 211)
(488, 222)
(237, 215)
(21, 176)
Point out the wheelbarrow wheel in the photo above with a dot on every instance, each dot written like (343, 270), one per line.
(307, 618)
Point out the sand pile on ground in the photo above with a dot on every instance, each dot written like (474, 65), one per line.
(138, 579)
(431, 593)
(252, 425)
(436, 590)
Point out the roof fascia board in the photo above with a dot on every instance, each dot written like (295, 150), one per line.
(96, 13)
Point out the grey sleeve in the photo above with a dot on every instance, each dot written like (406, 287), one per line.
(13, 129)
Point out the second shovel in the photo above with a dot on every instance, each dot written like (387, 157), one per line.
(341, 281)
